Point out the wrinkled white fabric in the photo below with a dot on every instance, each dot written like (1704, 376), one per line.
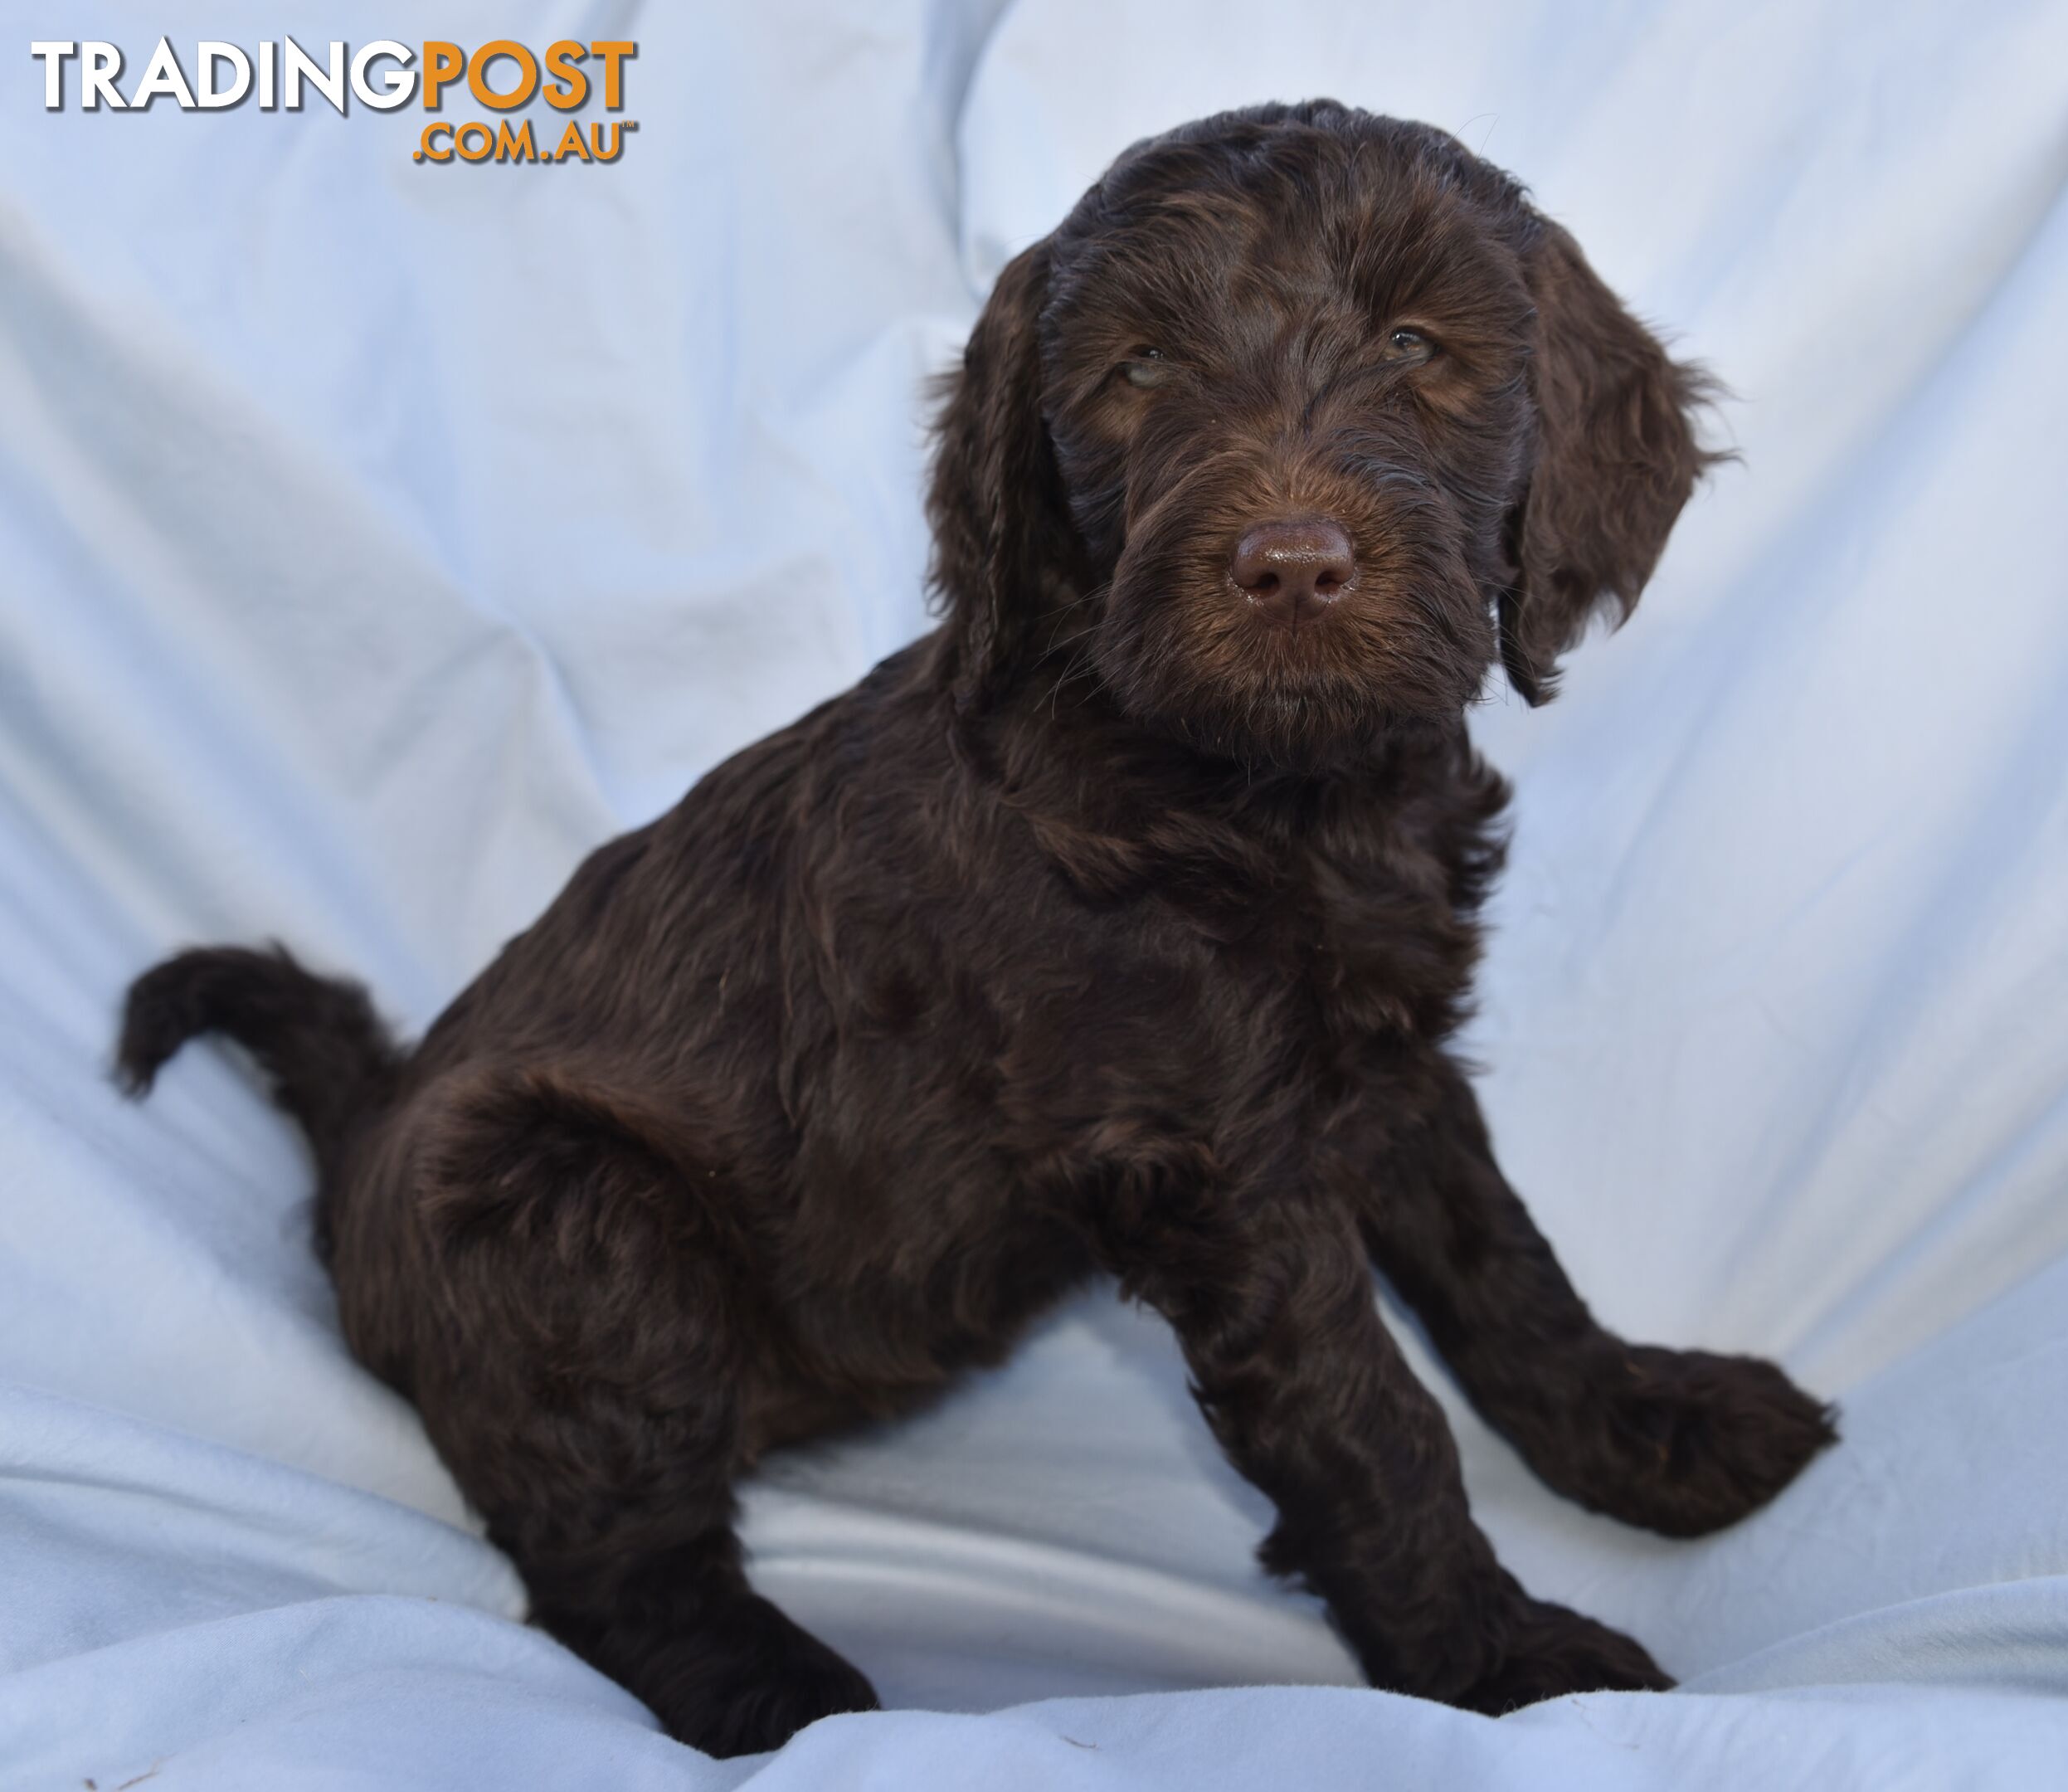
(376, 537)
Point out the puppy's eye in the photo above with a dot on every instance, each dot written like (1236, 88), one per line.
(1146, 368)
(1408, 345)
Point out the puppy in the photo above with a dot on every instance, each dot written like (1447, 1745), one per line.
(1117, 926)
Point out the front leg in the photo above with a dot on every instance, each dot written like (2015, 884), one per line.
(1273, 1303)
(1682, 1442)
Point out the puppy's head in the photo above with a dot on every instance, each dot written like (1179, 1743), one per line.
(1300, 417)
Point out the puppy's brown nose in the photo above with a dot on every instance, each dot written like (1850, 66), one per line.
(1292, 570)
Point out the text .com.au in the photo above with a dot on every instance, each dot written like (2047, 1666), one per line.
(501, 76)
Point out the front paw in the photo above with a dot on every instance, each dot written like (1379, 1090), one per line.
(1695, 1441)
(1551, 1651)
(749, 1684)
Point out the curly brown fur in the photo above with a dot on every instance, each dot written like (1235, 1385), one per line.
(1119, 926)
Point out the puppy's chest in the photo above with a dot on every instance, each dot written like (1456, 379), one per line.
(1372, 941)
(1355, 932)
(1252, 1004)
(1241, 1024)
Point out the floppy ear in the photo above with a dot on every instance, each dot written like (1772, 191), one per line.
(996, 503)
(1616, 458)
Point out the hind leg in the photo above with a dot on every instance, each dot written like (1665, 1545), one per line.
(584, 1386)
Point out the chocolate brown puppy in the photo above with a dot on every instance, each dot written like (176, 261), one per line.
(1117, 926)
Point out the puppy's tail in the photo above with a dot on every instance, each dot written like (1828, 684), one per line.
(329, 1058)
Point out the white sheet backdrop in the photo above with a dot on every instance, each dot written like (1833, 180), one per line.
(375, 537)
